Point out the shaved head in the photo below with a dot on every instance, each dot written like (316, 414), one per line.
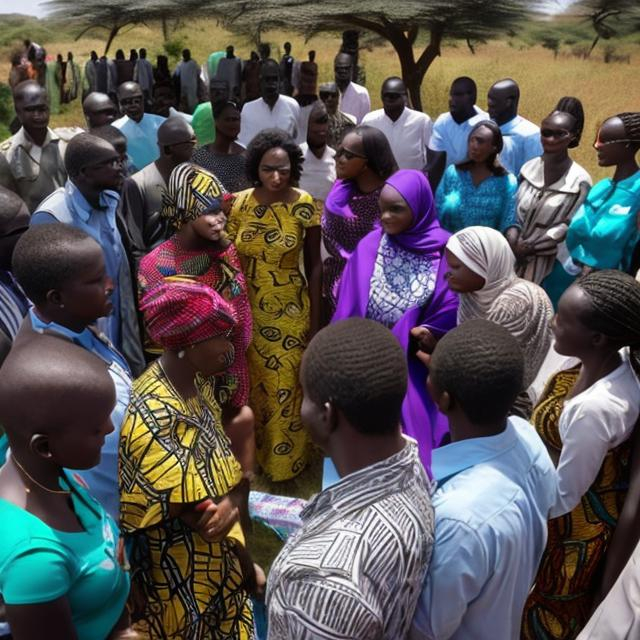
(26, 91)
(174, 130)
(502, 100)
(49, 385)
(98, 109)
(32, 109)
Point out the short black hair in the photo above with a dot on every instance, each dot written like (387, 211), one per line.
(220, 105)
(44, 258)
(269, 139)
(481, 366)
(358, 366)
(81, 152)
(468, 81)
(380, 158)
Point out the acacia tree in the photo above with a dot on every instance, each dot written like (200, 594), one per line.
(607, 17)
(415, 28)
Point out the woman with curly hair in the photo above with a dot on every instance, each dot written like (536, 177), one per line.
(272, 224)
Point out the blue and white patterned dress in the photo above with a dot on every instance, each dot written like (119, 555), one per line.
(401, 280)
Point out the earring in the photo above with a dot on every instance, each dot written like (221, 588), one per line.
(181, 354)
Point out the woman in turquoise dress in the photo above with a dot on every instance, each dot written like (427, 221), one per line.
(604, 231)
(479, 191)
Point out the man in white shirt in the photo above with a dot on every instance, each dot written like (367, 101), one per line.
(495, 486)
(408, 131)
(450, 134)
(272, 109)
(520, 136)
(354, 98)
(319, 167)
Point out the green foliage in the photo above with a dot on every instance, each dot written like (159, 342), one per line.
(15, 28)
(6, 110)
(174, 47)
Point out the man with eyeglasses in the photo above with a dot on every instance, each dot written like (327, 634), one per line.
(140, 128)
(408, 131)
(354, 98)
(89, 201)
(521, 137)
(31, 161)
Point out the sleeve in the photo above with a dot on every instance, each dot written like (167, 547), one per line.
(35, 575)
(509, 216)
(457, 574)
(428, 131)
(588, 435)
(6, 177)
(310, 212)
(443, 190)
(436, 142)
(42, 217)
(233, 223)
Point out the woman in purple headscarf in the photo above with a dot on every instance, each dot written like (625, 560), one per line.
(397, 276)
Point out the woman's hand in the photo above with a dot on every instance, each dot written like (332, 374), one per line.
(212, 521)
(424, 339)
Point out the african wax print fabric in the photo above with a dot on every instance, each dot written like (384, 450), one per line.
(270, 239)
(221, 270)
(561, 601)
(175, 452)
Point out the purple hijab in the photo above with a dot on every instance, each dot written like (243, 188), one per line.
(420, 418)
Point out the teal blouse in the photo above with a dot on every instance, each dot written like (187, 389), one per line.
(604, 231)
(462, 204)
(40, 564)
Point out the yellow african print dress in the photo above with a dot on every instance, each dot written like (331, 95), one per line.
(172, 452)
(560, 603)
(270, 239)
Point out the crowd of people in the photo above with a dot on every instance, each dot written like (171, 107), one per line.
(200, 286)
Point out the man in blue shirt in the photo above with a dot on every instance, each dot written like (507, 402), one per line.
(495, 486)
(89, 201)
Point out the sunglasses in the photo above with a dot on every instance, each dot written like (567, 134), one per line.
(598, 144)
(349, 155)
(554, 133)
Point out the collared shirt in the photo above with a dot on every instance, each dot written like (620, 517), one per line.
(318, 174)
(103, 478)
(68, 205)
(355, 568)
(142, 138)
(453, 138)
(31, 171)
(408, 136)
(521, 140)
(355, 100)
(492, 503)
(257, 115)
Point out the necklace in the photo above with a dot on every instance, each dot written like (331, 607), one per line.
(56, 491)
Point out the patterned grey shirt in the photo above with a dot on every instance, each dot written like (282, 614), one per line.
(355, 568)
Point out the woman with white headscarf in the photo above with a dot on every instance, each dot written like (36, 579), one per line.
(482, 272)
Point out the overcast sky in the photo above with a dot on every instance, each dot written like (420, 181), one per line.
(36, 7)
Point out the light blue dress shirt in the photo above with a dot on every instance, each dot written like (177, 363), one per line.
(521, 143)
(491, 503)
(103, 478)
(142, 139)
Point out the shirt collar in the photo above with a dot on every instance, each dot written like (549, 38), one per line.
(108, 201)
(23, 139)
(383, 478)
(451, 459)
(84, 338)
(510, 125)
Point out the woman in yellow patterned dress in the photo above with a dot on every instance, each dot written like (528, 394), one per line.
(585, 417)
(179, 480)
(271, 225)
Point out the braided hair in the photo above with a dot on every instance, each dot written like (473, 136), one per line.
(631, 122)
(615, 308)
(573, 107)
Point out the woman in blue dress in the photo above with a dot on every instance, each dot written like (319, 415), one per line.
(479, 191)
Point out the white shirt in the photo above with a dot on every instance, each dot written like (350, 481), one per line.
(492, 503)
(256, 116)
(318, 174)
(592, 423)
(355, 100)
(521, 140)
(451, 137)
(408, 136)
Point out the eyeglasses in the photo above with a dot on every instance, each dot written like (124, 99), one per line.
(599, 144)
(554, 133)
(349, 155)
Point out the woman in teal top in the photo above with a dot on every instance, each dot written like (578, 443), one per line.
(604, 231)
(60, 575)
(479, 191)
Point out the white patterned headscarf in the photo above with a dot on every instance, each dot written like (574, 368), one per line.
(520, 306)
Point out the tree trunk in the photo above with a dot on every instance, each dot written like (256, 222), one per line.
(165, 29)
(112, 34)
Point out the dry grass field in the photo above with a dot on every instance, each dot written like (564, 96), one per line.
(605, 89)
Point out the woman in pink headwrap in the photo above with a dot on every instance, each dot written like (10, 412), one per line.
(180, 483)
(397, 276)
